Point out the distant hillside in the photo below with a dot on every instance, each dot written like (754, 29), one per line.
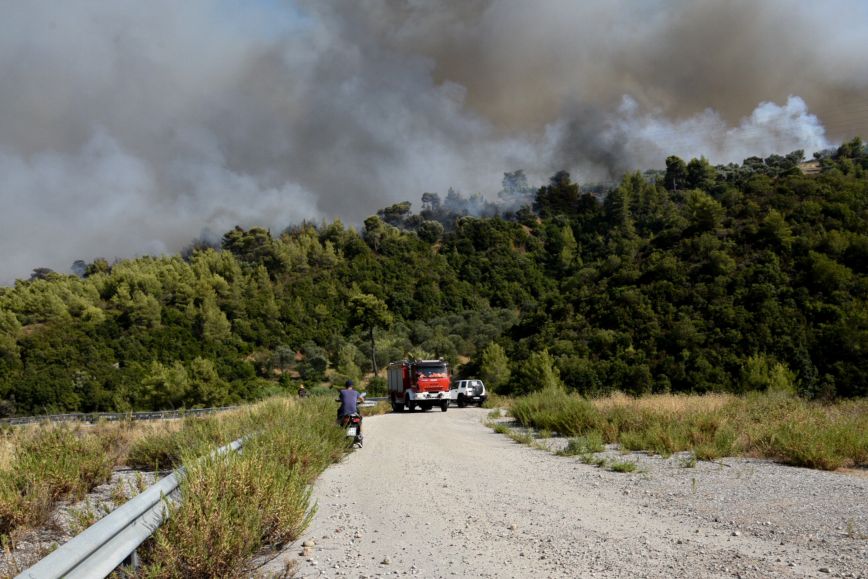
(699, 278)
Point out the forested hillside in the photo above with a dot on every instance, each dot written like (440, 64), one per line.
(703, 278)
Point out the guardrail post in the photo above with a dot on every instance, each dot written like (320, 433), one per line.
(133, 560)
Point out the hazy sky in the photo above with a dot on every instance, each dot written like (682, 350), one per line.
(131, 127)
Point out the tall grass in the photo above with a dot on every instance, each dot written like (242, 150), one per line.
(553, 410)
(165, 449)
(585, 444)
(497, 401)
(381, 407)
(813, 435)
(773, 425)
(49, 464)
(46, 463)
(231, 506)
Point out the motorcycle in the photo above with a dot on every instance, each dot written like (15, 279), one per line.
(353, 424)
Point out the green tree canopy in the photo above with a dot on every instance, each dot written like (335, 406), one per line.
(369, 312)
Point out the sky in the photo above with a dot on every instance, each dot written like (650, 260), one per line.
(131, 128)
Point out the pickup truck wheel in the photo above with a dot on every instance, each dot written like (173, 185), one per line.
(462, 402)
(444, 407)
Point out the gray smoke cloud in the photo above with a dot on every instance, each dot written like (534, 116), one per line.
(132, 127)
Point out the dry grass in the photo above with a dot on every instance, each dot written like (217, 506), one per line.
(120, 436)
(497, 401)
(49, 464)
(125, 434)
(41, 464)
(672, 404)
(771, 425)
(381, 407)
(161, 449)
(8, 443)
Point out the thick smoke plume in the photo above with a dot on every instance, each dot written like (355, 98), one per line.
(132, 127)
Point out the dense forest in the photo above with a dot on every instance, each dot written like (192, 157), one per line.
(694, 279)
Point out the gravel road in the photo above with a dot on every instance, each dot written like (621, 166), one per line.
(440, 495)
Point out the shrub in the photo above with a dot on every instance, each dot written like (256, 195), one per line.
(377, 386)
(814, 440)
(625, 466)
(155, 452)
(589, 443)
(231, 505)
(761, 373)
(594, 460)
(537, 373)
(553, 409)
(499, 427)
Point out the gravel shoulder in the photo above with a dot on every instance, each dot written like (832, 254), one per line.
(440, 495)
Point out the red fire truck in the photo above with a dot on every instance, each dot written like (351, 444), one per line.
(422, 383)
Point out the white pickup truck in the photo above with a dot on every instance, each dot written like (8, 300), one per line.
(465, 392)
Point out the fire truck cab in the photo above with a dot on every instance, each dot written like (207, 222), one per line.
(422, 383)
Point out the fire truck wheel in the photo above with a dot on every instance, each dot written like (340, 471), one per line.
(461, 401)
(444, 407)
(396, 406)
(411, 406)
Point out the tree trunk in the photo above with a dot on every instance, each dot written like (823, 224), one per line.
(373, 352)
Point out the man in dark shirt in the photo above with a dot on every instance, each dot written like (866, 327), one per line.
(349, 399)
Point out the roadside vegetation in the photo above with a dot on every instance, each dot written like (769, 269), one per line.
(381, 407)
(166, 449)
(50, 464)
(774, 425)
(43, 464)
(231, 504)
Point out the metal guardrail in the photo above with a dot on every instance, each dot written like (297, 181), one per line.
(106, 544)
(113, 416)
(373, 401)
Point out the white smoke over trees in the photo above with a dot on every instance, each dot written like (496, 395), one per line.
(132, 127)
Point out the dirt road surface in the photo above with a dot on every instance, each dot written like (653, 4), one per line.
(440, 495)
